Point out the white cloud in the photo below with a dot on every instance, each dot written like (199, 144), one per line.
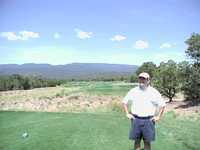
(82, 34)
(9, 35)
(165, 45)
(141, 44)
(23, 35)
(57, 35)
(118, 38)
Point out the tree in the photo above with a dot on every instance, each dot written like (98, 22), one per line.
(18, 82)
(191, 87)
(2, 83)
(134, 78)
(166, 80)
(148, 67)
(26, 83)
(193, 49)
(184, 71)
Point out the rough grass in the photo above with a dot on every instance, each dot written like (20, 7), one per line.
(90, 131)
(70, 97)
(90, 88)
(37, 93)
(102, 88)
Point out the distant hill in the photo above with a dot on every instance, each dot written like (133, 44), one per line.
(77, 71)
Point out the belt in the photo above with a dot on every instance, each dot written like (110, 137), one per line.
(146, 117)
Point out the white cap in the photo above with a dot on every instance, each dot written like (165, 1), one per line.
(144, 75)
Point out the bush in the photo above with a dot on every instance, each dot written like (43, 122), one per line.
(116, 106)
(191, 85)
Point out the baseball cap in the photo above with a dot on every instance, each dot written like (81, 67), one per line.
(144, 75)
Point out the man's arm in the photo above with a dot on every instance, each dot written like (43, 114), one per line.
(128, 115)
(160, 114)
(125, 108)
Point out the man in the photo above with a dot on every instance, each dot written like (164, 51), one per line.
(144, 102)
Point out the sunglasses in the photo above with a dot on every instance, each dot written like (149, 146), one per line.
(142, 78)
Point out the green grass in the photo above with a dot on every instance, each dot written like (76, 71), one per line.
(87, 131)
(101, 88)
(59, 131)
(89, 88)
(90, 131)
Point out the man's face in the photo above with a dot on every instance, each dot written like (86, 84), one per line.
(143, 82)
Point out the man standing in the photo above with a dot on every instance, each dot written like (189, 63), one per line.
(144, 102)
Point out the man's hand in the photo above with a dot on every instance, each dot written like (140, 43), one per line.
(156, 118)
(159, 116)
(129, 116)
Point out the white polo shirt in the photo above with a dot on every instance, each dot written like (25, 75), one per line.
(144, 102)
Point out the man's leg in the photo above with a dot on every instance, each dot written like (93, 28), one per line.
(137, 144)
(147, 145)
(149, 134)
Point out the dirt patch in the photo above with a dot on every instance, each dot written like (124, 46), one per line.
(71, 103)
(80, 102)
(183, 108)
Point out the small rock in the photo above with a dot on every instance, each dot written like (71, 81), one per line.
(25, 135)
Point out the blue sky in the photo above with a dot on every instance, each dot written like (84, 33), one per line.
(96, 31)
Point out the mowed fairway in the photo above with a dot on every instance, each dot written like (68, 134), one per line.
(59, 131)
(90, 131)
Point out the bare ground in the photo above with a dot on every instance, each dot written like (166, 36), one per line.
(71, 103)
(183, 108)
(80, 102)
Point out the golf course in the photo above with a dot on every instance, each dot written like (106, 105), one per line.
(99, 75)
(88, 127)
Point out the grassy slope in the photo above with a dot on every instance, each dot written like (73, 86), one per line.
(102, 88)
(87, 131)
(91, 88)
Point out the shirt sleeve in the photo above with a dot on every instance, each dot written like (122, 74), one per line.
(127, 97)
(158, 100)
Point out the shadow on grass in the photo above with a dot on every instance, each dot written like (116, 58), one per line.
(188, 104)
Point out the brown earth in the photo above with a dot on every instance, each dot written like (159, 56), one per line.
(183, 108)
(71, 103)
(81, 102)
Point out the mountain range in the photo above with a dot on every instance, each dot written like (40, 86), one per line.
(77, 71)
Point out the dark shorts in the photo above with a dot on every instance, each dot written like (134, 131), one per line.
(142, 128)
